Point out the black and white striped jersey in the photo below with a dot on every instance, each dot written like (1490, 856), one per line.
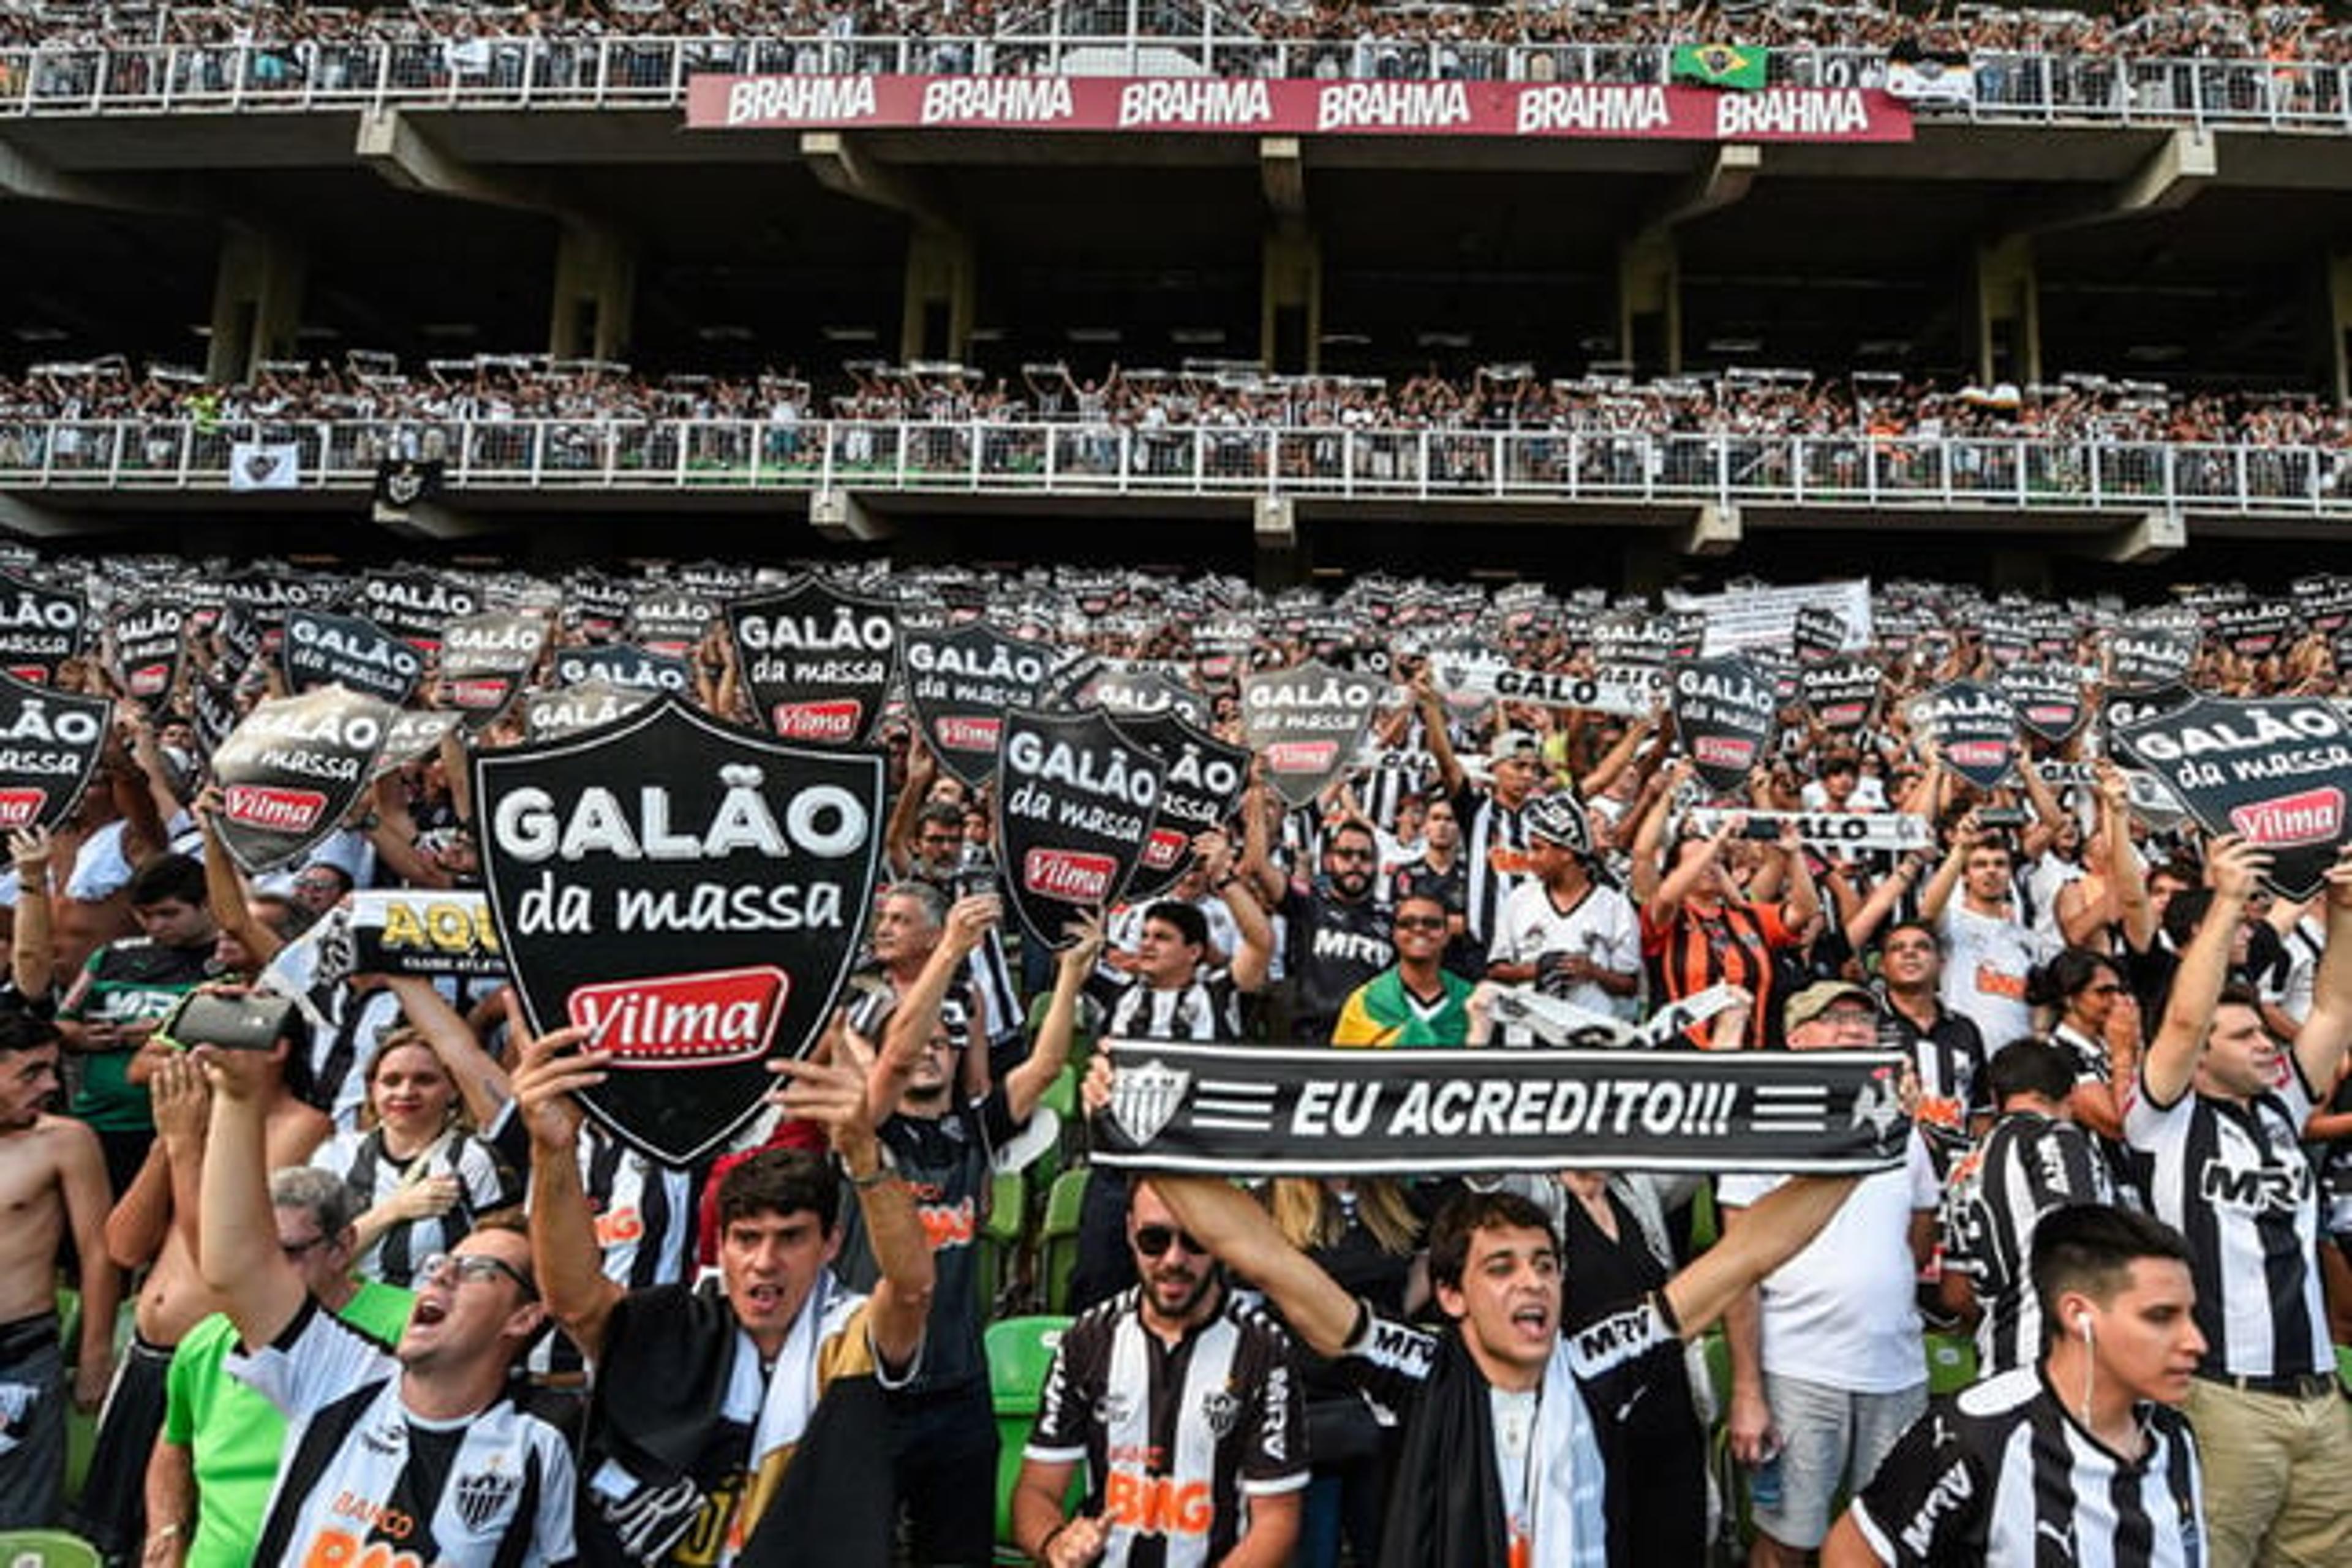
(2001, 1474)
(493, 1490)
(485, 1182)
(2027, 1165)
(1206, 1007)
(1175, 1438)
(2231, 1177)
(1494, 848)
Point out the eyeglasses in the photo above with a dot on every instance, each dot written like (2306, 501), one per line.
(2108, 988)
(1152, 1240)
(1421, 922)
(297, 1248)
(473, 1267)
(1351, 854)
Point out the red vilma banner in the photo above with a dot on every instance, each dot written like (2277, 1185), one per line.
(1293, 108)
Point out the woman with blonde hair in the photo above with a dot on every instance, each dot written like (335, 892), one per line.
(1366, 1235)
(421, 1172)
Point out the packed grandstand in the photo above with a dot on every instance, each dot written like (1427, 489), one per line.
(558, 557)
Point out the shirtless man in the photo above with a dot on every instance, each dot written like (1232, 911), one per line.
(156, 1224)
(51, 1176)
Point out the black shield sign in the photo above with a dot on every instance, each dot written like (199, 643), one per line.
(486, 659)
(1820, 633)
(50, 744)
(414, 733)
(2255, 630)
(1128, 691)
(2145, 658)
(292, 768)
(2325, 602)
(961, 684)
(816, 661)
(40, 628)
(1308, 722)
(322, 649)
(212, 704)
(671, 622)
(547, 715)
(150, 641)
(623, 665)
(1077, 801)
(1724, 712)
(1842, 693)
(1974, 728)
(597, 604)
(2048, 698)
(415, 605)
(2271, 769)
(1201, 789)
(697, 919)
(2124, 708)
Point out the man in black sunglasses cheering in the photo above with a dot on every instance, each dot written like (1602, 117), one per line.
(1182, 1404)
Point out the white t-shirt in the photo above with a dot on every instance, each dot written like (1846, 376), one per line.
(1843, 1311)
(1600, 926)
(1986, 959)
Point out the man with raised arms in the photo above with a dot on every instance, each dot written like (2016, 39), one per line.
(710, 1409)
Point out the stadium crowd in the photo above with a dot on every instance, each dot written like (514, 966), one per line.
(2150, 27)
(2130, 1162)
(1733, 402)
(1378, 40)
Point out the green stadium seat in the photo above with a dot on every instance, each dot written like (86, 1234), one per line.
(1000, 1237)
(1020, 1355)
(1705, 1227)
(47, 1549)
(1058, 1238)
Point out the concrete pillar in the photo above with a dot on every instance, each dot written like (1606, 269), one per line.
(942, 289)
(595, 293)
(1649, 304)
(2339, 325)
(2008, 312)
(256, 301)
(1290, 301)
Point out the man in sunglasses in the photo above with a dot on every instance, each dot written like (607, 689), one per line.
(1182, 1404)
(1339, 935)
(423, 1453)
(1417, 1001)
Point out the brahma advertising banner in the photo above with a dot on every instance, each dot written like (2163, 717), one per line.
(1248, 106)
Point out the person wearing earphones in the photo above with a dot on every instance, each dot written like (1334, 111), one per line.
(2084, 1457)
(2218, 1117)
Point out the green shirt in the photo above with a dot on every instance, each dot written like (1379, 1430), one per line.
(237, 1435)
(129, 981)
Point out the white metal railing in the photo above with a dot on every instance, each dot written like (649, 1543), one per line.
(622, 71)
(1095, 459)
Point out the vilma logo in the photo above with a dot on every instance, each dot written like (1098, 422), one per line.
(1145, 1098)
(685, 1020)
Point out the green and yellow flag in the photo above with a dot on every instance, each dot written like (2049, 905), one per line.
(1720, 65)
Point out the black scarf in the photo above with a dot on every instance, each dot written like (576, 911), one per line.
(1447, 1509)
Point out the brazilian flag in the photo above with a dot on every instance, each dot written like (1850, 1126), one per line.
(1720, 65)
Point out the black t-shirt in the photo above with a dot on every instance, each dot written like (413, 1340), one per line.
(1656, 1495)
(947, 1164)
(1336, 945)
